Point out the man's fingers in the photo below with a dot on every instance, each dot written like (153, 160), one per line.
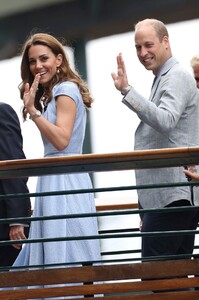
(120, 72)
(114, 76)
(194, 176)
(17, 246)
(121, 64)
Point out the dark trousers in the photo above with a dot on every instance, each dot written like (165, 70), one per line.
(169, 245)
(8, 254)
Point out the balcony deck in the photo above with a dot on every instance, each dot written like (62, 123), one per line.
(121, 274)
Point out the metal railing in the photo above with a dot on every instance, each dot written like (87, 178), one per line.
(92, 163)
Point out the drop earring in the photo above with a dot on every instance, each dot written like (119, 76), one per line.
(58, 70)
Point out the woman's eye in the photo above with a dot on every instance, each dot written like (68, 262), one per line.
(44, 58)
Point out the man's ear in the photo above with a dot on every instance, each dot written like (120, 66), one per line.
(166, 41)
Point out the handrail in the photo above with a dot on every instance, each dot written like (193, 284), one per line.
(144, 159)
(102, 162)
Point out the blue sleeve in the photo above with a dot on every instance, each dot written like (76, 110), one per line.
(69, 89)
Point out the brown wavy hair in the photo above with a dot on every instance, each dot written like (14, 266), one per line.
(65, 72)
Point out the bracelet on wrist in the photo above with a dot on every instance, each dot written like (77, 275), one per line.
(125, 91)
(35, 115)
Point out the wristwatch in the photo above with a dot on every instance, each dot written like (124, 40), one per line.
(36, 115)
(125, 91)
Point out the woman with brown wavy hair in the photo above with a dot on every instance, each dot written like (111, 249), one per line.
(55, 99)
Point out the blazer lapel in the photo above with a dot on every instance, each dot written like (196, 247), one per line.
(154, 88)
(163, 70)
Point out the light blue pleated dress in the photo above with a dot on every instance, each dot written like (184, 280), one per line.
(64, 251)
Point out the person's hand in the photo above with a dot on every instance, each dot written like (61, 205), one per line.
(30, 92)
(194, 176)
(120, 79)
(17, 233)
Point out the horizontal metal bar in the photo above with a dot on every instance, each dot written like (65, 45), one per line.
(100, 190)
(97, 237)
(102, 214)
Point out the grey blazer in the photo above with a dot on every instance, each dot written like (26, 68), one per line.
(169, 119)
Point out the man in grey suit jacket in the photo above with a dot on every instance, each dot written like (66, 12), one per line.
(169, 119)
